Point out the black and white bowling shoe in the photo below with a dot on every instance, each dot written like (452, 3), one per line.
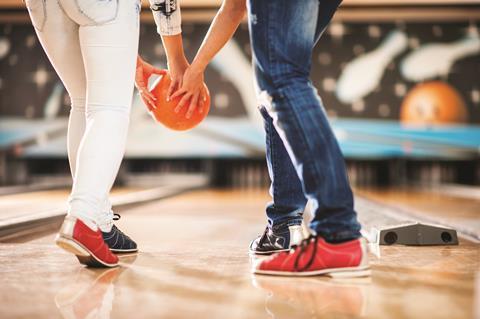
(273, 242)
(117, 241)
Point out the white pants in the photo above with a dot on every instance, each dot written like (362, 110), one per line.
(92, 44)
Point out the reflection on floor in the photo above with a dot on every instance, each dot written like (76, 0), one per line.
(194, 263)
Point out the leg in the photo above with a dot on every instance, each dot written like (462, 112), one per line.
(283, 35)
(285, 212)
(288, 203)
(58, 35)
(109, 52)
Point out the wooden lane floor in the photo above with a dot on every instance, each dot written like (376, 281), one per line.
(193, 262)
(22, 204)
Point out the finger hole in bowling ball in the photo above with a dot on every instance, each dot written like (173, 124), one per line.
(390, 238)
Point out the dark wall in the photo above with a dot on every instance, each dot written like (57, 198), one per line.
(27, 79)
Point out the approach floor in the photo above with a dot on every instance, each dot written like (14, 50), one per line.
(193, 263)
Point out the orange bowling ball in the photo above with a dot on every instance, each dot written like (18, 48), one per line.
(431, 103)
(165, 110)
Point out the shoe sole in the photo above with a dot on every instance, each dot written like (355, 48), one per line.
(81, 252)
(266, 253)
(346, 272)
(119, 251)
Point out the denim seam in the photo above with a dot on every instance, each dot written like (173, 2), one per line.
(44, 8)
(61, 8)
(93, 22)
(274, 162)
(270, 43)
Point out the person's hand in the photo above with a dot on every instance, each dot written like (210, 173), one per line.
(143, 73)
(176, 69)
(192, 89)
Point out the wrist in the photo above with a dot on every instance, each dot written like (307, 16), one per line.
(199, 64)
(178, 59)
(180, 62)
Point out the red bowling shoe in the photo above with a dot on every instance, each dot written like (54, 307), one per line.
(314, 256)
(88, 245)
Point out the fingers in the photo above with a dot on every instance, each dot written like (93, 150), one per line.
(147, 104)
(193, 106)
(203, 99)
(171, 89)
(149, 94)
(178, 93)
(148, 98)
(140, 79)
(159, 71)
(182, 102)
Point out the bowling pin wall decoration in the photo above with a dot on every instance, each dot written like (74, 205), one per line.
(362, 70)
(436, 59)
(54, 102)
(362, 75)
(4, 47)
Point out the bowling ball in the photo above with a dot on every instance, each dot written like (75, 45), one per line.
(431, 103)
(165, 110)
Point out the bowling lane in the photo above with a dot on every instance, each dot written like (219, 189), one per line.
(194, 263)
(23, 204)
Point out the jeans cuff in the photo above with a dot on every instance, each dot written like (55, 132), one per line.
(338, 236)
(282, 226)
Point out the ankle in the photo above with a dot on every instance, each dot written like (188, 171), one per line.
(339, 240)
(87, 221)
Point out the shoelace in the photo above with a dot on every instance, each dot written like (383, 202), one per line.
(117, 217)
(303, 247)
(265, 235)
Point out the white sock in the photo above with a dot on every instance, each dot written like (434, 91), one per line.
(105, 221)
(87, 221)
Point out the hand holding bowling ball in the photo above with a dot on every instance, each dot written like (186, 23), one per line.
(142, 74)
(165, 110)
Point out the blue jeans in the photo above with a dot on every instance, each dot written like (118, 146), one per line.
(304, 158)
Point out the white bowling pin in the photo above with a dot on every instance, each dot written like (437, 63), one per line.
(54, 102)
(4, 47)
(436, 59)
(362, 75)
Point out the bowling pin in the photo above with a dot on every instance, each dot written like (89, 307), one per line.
(436, 59)
(54, 103)
(362, 75)
(4, 47)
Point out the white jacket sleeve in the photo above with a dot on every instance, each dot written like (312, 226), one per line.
(166, 14)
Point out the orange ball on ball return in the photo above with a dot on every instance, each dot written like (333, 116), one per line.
(165, 110)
